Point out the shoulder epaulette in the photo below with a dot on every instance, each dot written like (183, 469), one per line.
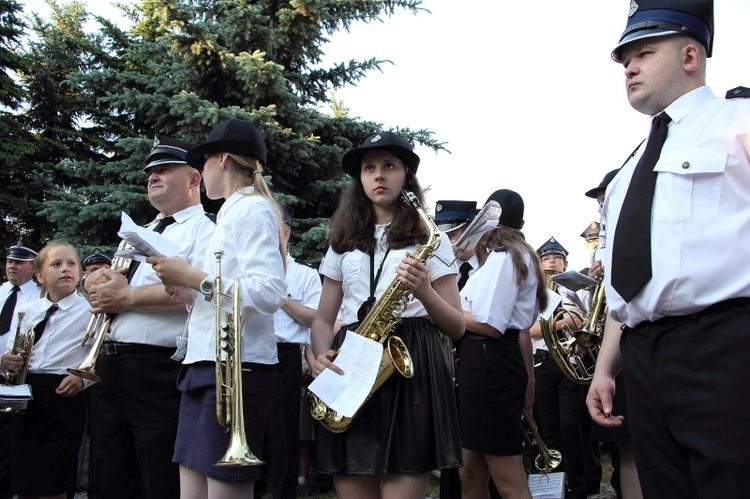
(501, 249)
(738, 92)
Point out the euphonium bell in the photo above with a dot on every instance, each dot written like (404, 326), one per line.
(229, 404)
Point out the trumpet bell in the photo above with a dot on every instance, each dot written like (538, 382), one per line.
(86, 373)
(238, 454)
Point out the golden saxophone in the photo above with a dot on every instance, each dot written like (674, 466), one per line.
(229, 404)
(575, 350)
(98, 328)
(379, 324)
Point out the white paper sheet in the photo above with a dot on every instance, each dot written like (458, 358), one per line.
(143, 242)
(549, 486)
(359, 358)
(553, 300)
(15, 392)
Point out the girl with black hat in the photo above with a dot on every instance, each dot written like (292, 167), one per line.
(410, 426)
(247, 234)
(501, 300)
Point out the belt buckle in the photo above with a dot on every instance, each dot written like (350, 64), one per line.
(110, 348)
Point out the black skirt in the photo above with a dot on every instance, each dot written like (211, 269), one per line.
(201, 442)
(408, 426)
(491, 393)
(45, 441)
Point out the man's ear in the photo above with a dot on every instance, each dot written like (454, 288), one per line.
(691, 57)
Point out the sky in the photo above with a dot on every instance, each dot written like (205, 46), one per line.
(524, 95)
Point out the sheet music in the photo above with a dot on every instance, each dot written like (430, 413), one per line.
(15, 392)
(553, 300)
(574, 280)
(143, 242)
(359, 358)
(547, 486)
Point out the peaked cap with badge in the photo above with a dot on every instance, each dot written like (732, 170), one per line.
(650, 18)
(167, 151)
(22, 251)
(452, 215)
(96, 257)
(553, 247)
(591, 232)
(391, 142)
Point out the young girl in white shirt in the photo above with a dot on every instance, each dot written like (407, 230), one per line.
(46, 439)
(247, 234)
(495, 367)
(409, 427)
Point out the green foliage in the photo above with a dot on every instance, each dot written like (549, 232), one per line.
(97, 99)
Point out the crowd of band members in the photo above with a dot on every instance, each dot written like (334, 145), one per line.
(472, 327)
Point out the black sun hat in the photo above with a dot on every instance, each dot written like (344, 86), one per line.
(602, 187)
(391, 142)
(233, 136)
(512, 205)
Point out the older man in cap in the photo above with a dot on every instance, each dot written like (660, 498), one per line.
(17, 290)
(678, 234)
(96, 260)
(139, 401)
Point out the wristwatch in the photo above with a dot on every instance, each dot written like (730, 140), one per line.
(207, 288)
(82, 285)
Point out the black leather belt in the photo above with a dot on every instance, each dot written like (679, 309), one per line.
(509, 334)
(115, 348)
(542, 355)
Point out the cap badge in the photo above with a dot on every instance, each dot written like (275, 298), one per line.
(375, 139)
(593, 225)
(156, 141)
(633, 8)
(438, 207)
(552, 240)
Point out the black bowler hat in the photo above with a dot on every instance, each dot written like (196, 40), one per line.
(649, 18)
(22, 251)
(602, 187)
(512, 206)
(389, 141)
(552, 247)
(96, 257)
(286, 215)
(452, 215)
(167, 151)
(233, 136)
(591, 232)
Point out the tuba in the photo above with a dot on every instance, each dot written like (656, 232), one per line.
(547, 459)
(378, 326)
(575, 350)
(229, 401)
(98, 327)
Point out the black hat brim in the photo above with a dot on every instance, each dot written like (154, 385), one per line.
(352, 161)
(196, 156)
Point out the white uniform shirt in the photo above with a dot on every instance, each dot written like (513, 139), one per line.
(59, 347)
(191, 231)
(352, 270)
(304, 287)
(493, 298)
(700, 222)
(248, 233)
(29, 292)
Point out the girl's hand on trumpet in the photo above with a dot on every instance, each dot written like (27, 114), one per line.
(175, 272)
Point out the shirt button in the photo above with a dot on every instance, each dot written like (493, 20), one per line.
(685, 165)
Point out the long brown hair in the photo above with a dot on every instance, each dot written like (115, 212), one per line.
(515, 242)
(353, 223)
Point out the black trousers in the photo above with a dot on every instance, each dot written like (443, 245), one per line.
(688, 385)
(559, 405)
(138, 409)
(283, 423)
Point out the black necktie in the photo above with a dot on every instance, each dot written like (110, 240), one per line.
(631, 251)
(463, 274)
(39, 328)
(6, 316)
(159, 227)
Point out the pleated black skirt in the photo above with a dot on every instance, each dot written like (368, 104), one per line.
(201, 442)
(491, 392)
(45, 441)
(408, 426)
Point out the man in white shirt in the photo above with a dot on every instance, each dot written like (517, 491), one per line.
(19, 288)
(292, 327)
(685, 349)
(139, 401)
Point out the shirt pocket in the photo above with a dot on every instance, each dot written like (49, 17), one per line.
(351, 268)
(688, 188)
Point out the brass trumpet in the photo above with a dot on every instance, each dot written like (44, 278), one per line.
(98, 328)
(548, 459)
(229, 404)
(24, 341)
